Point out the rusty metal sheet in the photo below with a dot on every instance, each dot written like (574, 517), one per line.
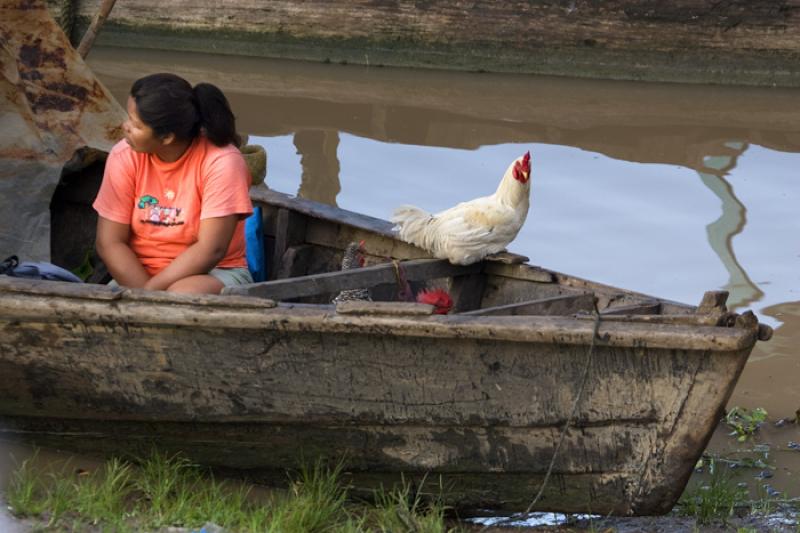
(50, 106)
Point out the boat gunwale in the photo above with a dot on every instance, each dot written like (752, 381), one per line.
(98, 303)
(129, 311)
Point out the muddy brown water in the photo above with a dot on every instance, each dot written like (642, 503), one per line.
(667, 189)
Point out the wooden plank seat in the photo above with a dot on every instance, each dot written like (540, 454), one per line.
(559, 305)
(361, 278)
(641, 308)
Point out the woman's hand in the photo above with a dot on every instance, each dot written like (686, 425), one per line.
(113, 248)
(212, 244)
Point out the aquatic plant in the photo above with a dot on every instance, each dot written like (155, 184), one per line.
(756, 457)
(745, 423)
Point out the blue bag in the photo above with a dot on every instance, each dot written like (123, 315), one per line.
(254, 245)
(48, 271)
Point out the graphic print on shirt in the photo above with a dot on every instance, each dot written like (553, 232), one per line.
(159, 215)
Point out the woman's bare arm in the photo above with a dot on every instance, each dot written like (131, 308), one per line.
(212, 243)
(113, 248)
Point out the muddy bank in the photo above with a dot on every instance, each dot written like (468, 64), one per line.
(740, 42)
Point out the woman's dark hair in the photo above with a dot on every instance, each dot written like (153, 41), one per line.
(168, 104)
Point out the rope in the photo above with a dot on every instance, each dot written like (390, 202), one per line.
(404, 291)
(589, 359)
(398, 279)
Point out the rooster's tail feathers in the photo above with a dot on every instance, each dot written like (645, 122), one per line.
(410, 223)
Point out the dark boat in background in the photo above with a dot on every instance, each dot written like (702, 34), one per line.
(702, 41)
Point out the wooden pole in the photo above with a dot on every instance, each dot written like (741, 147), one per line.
(94, 28)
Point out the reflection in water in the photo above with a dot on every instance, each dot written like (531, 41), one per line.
(650, 123)
(320, 164)
(743, 291)
(784, 346)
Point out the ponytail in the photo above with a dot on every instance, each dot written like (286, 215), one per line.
(168, 104)
(216, 116)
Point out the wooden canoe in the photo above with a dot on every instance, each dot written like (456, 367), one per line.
(476, 401)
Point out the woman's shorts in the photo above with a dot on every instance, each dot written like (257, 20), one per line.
(231, 277)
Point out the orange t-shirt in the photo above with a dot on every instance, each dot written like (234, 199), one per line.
(165, 202)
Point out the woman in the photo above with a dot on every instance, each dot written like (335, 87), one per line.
(175, 192)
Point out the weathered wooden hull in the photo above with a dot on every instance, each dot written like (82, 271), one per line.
(749, 42)
(477, 400)
(477, 403)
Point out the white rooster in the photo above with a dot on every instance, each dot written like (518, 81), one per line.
(471, 230)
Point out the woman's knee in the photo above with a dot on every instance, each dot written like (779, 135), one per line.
(203, 284)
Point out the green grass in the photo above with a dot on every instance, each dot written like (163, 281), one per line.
(719, 498)
(26, 490)
(163, 491)
(713, 500)
(403, 509)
